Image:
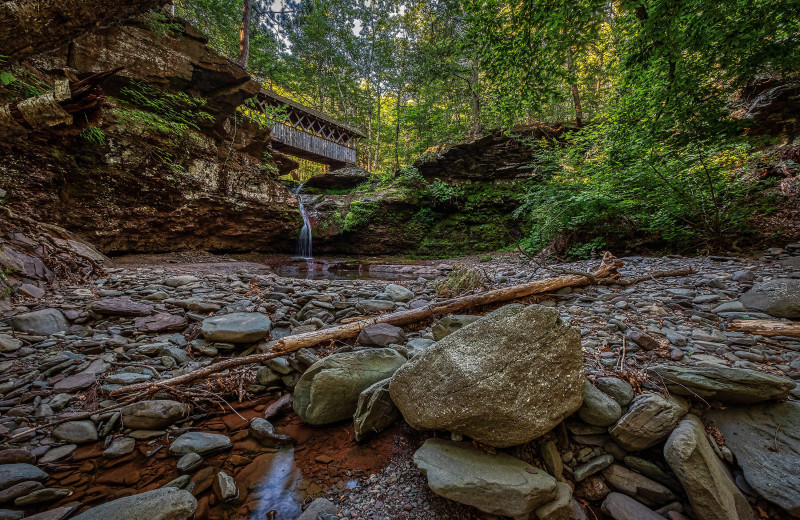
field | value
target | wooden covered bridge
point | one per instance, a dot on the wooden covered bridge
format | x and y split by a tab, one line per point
310	134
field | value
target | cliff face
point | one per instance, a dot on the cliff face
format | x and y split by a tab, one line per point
172	165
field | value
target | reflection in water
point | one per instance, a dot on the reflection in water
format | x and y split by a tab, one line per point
277	492
317	270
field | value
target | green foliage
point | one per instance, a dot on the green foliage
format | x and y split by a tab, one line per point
94	135
586	249
161	25
485	258
461	280
442	193
360	214
160	112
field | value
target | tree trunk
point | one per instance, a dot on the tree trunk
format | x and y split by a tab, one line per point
767	327
244	33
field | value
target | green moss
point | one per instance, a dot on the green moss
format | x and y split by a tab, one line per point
360	214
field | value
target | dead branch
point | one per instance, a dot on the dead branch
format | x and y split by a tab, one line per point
767	327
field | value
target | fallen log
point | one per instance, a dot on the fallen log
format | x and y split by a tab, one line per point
767	327
608	269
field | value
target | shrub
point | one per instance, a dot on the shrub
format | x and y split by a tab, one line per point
460	280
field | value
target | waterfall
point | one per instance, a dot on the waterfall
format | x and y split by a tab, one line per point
304	240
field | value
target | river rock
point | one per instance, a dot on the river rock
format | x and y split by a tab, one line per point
498	484
121	306
179	280
9	344
728	385
766	442
200	443
120	447
317	508
265	433
161	322
622	507
237	327
12	474
450	324
76	432
374	306
649	420
375	410
75	383
638	486
560	508
398	293
41	323
618	389
381	335
328	391
712	493
779	298
504	380
159	504
153	415
19	490
598	409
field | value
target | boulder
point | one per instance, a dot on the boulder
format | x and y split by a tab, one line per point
237	327
76	432
450	324
398	293
704	478
200	443
375	410
41	323
650	419
381	335
328	391
504	380
598	409
159	504
153	415
719	383
766	442
121	306
497	484
779	298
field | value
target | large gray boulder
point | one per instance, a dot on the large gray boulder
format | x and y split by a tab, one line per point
779	298
712	493
375	410
328	391
237	327
496	484
766	442
649	420
159	504
41	323
728	385
504	380
153	415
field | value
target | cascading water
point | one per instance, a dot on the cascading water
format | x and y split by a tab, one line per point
304	240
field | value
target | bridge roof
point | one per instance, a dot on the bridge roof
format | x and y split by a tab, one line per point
310	111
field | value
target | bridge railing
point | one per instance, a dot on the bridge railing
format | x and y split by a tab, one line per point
315	145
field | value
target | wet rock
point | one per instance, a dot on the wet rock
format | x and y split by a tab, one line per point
12	474
618	389
19	490
779	298
16	456
766	442
237	327
120	447
450	324
264	432
398	293
375	410
319	507
159	504
728	385
41	323
504	380
199	442
381	335
622	507
598	409
189	462
161	322
225	487
649	420
497	484
76	432
328	391
641	488
712	493
153	415
41	496
121	306
57	453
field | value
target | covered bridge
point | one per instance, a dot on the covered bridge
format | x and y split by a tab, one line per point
310	134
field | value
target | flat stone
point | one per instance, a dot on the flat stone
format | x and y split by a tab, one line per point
127	378
765	440
649	420
381	335
496	484
704	478
9	344
121	306
450	324
225	487
153	415
728	385
779	298
11	474
504	380
375	410
75	383
591	467
57	453
161	322
159	504
58	513
598	409
19	490
622	507
41	323
76	432
374	306
180	280
638	486
237	327
189	462
199	442
41	496
328	391
120	447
